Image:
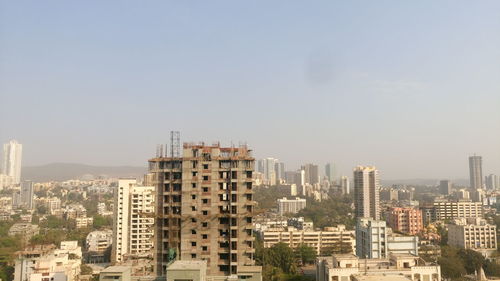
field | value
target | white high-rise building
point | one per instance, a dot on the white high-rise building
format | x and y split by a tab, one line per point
12	155
291	206
366	192
476	172
345	187
133	224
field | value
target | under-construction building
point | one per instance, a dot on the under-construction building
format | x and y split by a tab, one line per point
205	209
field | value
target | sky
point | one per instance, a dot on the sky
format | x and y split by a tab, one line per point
412	87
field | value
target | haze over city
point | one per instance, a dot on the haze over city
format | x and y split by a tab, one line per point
410	87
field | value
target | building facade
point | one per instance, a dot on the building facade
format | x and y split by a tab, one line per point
449	209
291	206
366	192
205	209
133	224
476	172
327	241
472	233
374	240
12	156
406	220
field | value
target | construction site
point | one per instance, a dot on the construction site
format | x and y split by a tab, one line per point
205	208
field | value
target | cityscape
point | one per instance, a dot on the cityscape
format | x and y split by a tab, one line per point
214	212
227	140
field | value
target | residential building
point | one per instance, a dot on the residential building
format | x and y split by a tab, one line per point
402	267
450	209
374	240
406	220
291	206
116	273
213	186
53	205
345	187
193	270
27	194
84	222
37	263
12	156
366	192
476	172
6	181
133	224
492	182
389	194
330	171
99	240
445	187
24	229
327	241
473	233
311	174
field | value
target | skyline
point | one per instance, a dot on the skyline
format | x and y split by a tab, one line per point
410	88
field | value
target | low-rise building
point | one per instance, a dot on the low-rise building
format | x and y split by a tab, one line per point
42	263
84	222
291	206
406	220
25	230
99	240
327	241
473	233
374	240
394	268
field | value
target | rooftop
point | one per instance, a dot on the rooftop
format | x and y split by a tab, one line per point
187	265
116	268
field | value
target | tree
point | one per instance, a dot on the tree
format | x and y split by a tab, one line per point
100	222
451	267
86	270
472	260
282	257
305	254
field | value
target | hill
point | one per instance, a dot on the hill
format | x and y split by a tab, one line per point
67	171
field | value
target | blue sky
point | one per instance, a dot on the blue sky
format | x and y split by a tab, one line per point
411	87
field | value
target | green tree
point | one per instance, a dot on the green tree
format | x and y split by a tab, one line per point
472	260
101	222
282	257
85	270
305	254
451	267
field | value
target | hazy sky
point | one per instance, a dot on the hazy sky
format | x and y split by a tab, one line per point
412	87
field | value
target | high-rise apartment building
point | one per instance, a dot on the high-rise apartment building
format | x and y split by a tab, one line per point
133	224
205	209
311	174
330	171
406	220
492	182
27	194
345	185
366	192
12	155
476	172
445	187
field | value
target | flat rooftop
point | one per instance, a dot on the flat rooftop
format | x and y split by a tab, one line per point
187	265
116	268
380	278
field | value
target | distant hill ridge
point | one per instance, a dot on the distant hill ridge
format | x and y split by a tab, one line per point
67	171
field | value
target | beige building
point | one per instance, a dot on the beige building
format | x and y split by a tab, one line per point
24	230
446	209
133	224
84	222
394	268
116	273
213	186
473	233
327	241
366	192
290	206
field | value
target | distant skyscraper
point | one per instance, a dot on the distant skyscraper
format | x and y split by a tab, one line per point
27	194
311	173
12	155
445	187
492	182
270	170
366	192
330	171
476	172
345	185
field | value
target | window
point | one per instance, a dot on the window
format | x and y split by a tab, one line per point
205	178
193	244
205	166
